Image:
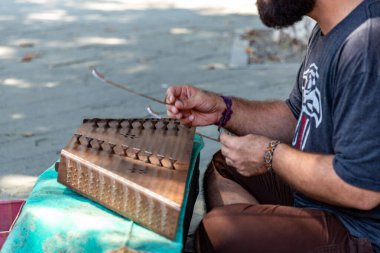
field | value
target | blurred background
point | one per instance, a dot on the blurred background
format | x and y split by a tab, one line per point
47	47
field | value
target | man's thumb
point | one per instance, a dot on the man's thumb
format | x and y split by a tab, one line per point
185	104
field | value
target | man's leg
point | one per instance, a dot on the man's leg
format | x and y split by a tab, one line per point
270	228
239	224
221	191
223	186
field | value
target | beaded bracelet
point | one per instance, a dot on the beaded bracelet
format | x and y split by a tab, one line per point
226	115
268	156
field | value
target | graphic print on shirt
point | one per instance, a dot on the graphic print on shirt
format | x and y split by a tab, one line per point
311	107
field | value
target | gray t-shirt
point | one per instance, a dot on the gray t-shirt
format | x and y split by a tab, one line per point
337	103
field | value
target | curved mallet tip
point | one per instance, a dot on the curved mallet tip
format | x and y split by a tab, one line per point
153	113
97	74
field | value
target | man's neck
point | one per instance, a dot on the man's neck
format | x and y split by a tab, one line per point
328	13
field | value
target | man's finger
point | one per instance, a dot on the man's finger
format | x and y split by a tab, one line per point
178	116
172	93
170	114
172	109
186	103
228	140
229	162
225	151
188	120
181	105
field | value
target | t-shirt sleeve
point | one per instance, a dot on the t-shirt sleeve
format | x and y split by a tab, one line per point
295	98
356	133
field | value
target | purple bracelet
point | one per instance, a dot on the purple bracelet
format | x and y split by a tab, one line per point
226	115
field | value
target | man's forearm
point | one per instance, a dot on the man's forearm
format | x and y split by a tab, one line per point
271	118
314	176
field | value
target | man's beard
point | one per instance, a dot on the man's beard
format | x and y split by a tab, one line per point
283	13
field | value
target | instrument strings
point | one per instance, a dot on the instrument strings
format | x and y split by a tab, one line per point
102	78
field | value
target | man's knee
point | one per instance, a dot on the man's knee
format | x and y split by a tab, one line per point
210	236
220	232
220	188
219	164
216	168
215	180
210	190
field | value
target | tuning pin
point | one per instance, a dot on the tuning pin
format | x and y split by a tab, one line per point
95	122
112	148
88	139
126	124
166	123
99	145
77	138
156	160
144	156
107	123
125	148
177	124
93	143
132	152
172	161
172	126
101	123
118	123
154	121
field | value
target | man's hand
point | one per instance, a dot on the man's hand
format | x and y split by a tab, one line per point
193	106
245	154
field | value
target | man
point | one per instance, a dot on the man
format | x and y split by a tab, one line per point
301	175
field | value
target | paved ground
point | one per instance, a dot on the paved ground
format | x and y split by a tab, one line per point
146	44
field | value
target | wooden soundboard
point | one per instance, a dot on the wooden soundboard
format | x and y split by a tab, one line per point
135	167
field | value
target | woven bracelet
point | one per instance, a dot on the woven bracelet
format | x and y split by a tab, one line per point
226	115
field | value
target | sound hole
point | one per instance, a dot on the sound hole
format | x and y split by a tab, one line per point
129	135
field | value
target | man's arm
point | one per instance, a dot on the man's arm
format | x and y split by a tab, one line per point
311	174
273	119
196	107
314	176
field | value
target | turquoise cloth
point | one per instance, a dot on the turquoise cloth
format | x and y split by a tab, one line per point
56	219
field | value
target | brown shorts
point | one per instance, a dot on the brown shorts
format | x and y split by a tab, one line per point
274	225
